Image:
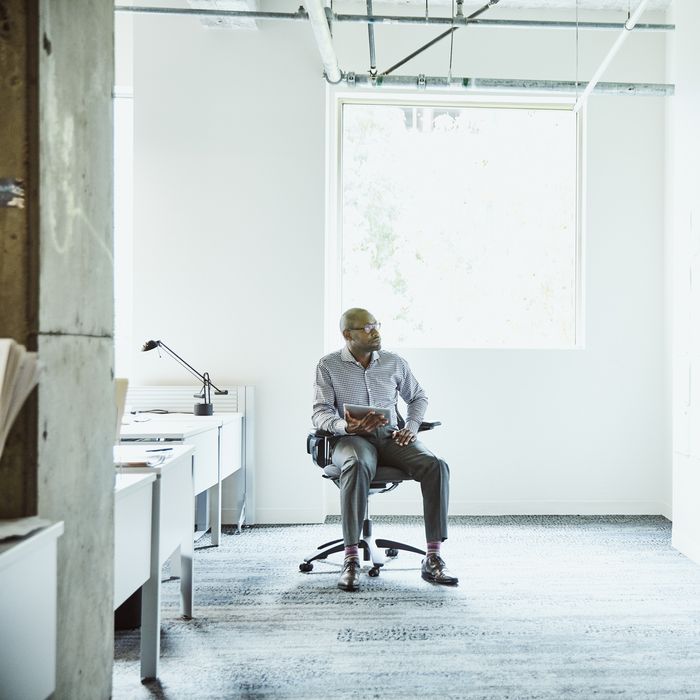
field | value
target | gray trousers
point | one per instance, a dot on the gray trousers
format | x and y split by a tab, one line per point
358	457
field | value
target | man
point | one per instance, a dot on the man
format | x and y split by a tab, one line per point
362	374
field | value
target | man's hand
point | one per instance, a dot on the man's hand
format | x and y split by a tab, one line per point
367	424
403	437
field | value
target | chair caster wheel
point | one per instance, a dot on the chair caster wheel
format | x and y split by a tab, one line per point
392	552
305	567
374	571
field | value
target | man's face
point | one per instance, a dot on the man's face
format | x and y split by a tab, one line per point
363	336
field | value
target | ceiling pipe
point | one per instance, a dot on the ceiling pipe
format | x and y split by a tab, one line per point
510	23
370	33
629	26
506	85
301	15
322	32
199	12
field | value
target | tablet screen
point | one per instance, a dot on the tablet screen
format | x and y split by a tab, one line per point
357	411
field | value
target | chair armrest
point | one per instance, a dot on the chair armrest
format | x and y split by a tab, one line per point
318	445
321	433
320	442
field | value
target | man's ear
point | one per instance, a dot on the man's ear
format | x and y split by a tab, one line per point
346	334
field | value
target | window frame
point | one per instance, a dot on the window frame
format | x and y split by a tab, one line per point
337	98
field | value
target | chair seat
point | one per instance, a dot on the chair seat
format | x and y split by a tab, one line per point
384	474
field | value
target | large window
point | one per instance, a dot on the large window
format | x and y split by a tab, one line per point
458	224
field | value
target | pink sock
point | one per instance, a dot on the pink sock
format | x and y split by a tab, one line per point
352	551
434	547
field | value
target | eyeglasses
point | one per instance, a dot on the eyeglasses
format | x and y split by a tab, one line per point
367	328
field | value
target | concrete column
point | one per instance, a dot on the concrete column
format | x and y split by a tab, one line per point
56	275
76	315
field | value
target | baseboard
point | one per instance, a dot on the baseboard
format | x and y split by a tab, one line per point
414	507
686	545
288	516
666	510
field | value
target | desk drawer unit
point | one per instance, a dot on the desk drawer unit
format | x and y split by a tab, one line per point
133	501
206	459
230	446
175	501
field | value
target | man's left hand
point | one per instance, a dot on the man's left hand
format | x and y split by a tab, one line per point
403	437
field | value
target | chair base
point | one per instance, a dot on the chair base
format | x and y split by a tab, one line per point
374	549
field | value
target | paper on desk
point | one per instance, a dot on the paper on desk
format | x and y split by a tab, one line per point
145	462
19	527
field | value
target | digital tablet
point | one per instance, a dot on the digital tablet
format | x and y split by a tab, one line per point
361	411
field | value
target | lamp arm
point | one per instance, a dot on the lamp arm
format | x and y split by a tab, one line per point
175	356
204	378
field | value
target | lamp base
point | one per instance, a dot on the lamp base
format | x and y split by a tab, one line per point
204	409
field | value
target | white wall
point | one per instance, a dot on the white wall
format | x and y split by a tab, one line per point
229	175
685	217
229	223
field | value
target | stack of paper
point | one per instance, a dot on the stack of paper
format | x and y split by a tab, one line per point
19	374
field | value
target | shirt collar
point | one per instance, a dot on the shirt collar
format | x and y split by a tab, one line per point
347	356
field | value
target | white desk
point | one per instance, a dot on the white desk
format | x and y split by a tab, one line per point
172	527
28	614
218	449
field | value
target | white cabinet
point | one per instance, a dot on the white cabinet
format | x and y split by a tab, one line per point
28	615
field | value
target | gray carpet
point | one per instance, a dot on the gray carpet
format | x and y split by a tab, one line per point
547	607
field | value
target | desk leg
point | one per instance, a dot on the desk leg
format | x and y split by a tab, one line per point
186	556
150	598
215	512
175	566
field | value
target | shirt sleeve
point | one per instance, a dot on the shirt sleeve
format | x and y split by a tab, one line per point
325	416
416	399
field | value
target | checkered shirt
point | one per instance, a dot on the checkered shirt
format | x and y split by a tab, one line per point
341	379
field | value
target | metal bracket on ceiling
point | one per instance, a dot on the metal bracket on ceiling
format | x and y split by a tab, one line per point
350	78
421	82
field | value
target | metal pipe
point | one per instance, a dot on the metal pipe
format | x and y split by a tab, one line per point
193	11
507	85
322	32
510	23
395	19
451	30
370	32
629	26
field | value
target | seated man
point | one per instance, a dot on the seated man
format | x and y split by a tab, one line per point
362	374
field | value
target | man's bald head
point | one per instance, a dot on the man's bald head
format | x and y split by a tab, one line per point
361	343
355	318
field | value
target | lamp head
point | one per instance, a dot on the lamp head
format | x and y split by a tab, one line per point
150	345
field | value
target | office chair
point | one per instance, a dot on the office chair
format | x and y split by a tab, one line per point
319	445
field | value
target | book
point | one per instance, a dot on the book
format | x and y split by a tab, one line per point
19	374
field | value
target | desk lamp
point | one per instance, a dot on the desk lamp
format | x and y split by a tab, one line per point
206	407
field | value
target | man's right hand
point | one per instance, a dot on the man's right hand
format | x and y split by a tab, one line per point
365	425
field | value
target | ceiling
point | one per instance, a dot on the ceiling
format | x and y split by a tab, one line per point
612	5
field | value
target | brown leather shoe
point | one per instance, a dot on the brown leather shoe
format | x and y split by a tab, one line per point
350	578
435	570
